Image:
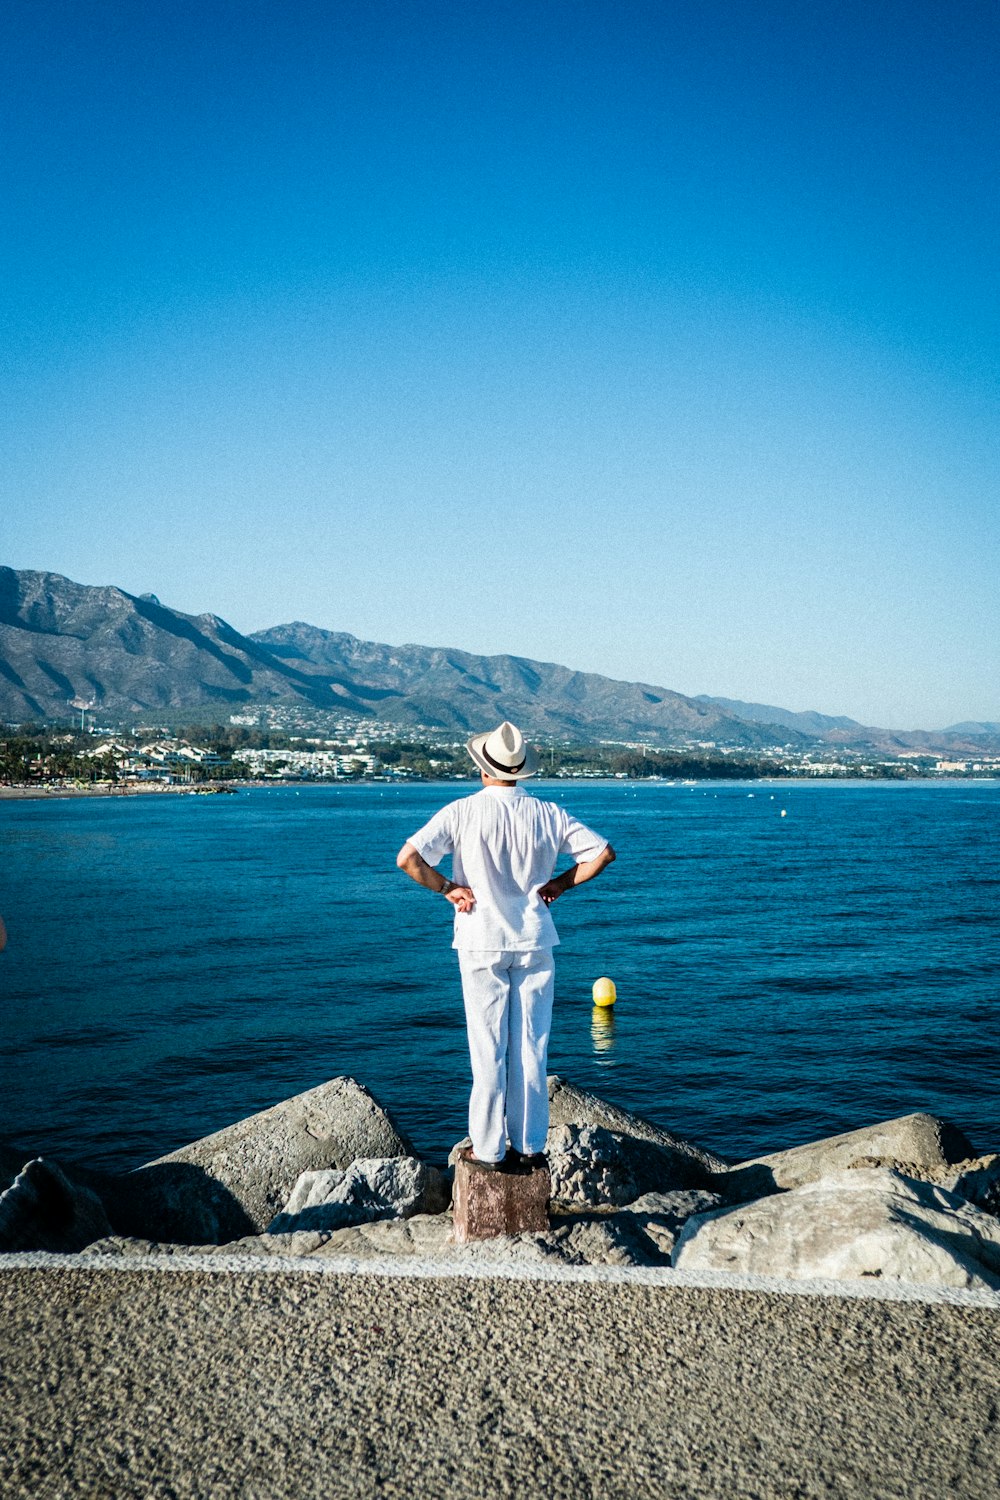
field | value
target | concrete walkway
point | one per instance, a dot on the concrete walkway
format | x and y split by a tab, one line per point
121	1380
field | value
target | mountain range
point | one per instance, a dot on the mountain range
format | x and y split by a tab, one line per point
64	643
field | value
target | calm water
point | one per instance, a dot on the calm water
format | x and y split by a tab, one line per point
175	963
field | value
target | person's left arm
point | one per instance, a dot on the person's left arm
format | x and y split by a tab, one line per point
579	874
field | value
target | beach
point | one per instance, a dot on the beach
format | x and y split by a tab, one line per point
321	1382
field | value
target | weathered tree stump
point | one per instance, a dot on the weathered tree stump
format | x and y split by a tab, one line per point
489	1203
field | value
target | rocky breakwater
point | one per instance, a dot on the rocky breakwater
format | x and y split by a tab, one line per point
329	1174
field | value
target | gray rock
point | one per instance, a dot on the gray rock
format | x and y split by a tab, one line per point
865	1222
592	1165
175	1202
678	1205
978	1181
231	1184
259	1245
425	1236
691	1166
568	1105
372	1188
263	1246
613	1239
672	1162
663	1238
921	1139
43	1210
125	1245
589	1164
663	1215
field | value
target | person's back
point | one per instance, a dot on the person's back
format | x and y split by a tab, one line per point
504	845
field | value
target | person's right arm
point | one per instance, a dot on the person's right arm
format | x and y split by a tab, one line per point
412	862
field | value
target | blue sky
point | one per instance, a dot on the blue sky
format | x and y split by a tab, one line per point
659	340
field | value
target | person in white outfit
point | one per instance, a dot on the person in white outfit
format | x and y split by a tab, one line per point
504	845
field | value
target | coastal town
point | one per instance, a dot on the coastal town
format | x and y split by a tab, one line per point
155	756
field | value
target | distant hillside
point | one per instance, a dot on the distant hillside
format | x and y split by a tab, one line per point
810	723
452	689
63	642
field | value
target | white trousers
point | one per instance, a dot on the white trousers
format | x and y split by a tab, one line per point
508	1013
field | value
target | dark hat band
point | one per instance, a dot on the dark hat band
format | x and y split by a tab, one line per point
496	764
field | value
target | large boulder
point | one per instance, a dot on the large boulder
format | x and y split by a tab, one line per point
591	1165
232	1183
691	1166
670	1162
43	1210
588	1164
921	1139
614	1239
372	1188
865	1222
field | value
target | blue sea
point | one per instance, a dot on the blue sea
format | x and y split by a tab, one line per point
792	960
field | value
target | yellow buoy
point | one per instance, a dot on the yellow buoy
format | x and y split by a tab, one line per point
605	992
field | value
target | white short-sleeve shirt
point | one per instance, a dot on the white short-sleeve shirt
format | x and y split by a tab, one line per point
504	844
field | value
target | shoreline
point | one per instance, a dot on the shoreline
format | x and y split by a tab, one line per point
104	792
45	793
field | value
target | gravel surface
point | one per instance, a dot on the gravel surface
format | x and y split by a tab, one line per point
141	1382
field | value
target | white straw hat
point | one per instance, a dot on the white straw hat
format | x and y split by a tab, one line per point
503	754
